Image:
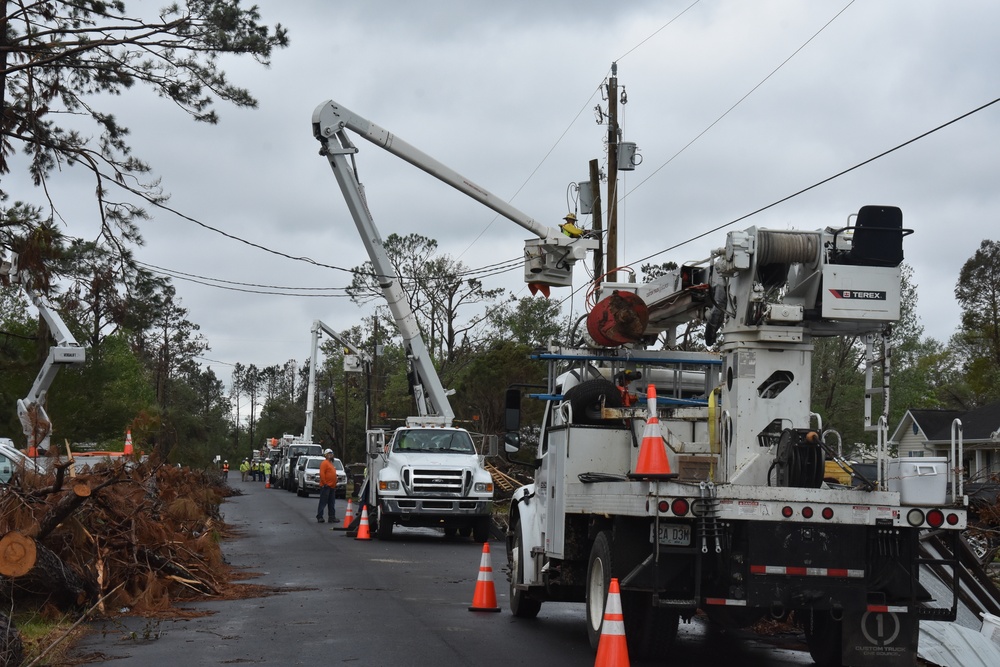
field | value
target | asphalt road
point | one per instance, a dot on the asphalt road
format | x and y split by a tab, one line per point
401	602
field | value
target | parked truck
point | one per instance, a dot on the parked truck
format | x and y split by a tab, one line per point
735	520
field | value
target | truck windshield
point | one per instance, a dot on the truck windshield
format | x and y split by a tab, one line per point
444	442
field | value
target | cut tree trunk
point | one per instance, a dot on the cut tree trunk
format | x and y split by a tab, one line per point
43	572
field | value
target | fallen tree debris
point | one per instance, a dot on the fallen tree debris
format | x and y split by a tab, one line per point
122	537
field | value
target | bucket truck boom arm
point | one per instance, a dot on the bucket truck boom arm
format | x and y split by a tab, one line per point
31	409
317	329
549	259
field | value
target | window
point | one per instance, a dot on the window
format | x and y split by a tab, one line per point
6	469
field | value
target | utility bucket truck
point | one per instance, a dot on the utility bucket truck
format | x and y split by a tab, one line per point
734	519
428	472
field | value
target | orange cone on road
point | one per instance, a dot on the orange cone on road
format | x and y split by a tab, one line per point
348	515
128	443
363	532
652	452
612	649
485	596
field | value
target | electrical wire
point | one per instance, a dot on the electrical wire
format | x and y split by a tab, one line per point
822	182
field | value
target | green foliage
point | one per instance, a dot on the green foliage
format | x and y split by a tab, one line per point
533	321
978	338
481	385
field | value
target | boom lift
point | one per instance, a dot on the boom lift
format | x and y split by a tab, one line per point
429	472
318	328
66	351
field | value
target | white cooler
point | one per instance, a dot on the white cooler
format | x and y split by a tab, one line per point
920	480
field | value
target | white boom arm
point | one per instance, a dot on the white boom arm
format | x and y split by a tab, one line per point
432	401
549	259
317	328
31	409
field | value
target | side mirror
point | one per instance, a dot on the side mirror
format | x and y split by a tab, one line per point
512	410
511	442
490	446
376	442
512	421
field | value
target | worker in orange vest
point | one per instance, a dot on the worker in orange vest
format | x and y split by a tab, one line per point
225	469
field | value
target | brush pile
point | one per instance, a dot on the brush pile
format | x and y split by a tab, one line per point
135	536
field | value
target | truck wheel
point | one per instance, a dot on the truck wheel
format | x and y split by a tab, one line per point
824	638
522	605
598	580
300	494
588	397
383	529
481	529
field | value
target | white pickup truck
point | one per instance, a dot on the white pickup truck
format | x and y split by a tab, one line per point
429	476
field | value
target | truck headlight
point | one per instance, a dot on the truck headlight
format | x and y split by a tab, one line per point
484	487
391	485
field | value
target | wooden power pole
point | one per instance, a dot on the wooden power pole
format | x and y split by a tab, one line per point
613	174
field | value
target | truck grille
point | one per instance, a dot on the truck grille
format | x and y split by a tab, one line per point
436	481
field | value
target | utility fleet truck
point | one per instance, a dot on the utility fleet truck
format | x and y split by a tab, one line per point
428	472
735	520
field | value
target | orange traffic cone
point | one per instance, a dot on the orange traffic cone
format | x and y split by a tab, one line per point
348	515
612	649
128	443
485	596
363	532
652	460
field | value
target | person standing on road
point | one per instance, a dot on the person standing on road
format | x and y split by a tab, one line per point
266	467
327	488
244	469
225	469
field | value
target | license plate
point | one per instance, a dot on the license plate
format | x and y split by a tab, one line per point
672	534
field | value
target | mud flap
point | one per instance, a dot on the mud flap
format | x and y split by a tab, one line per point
880	639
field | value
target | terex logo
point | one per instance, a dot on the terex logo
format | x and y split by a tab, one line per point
858	294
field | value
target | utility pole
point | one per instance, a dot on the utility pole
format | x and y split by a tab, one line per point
613	174
598	220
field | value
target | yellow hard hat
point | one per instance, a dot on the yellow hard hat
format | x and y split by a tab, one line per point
571	217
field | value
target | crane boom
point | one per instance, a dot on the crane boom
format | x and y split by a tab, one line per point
31	409
548	259
319	327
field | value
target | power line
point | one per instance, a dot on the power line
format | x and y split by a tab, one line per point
739	101
822	182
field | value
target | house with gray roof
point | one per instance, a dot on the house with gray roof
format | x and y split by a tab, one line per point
931	433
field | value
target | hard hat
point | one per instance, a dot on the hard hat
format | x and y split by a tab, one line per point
327	451
571	217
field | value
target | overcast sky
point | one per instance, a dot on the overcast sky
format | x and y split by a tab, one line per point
503	92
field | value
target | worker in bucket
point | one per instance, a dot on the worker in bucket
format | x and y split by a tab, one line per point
327	489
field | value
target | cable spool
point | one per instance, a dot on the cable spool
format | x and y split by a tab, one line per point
798	460
786	248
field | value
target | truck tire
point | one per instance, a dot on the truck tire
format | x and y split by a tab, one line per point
649	630
383	527
598	580
588	397
481	529
522	604
824	638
